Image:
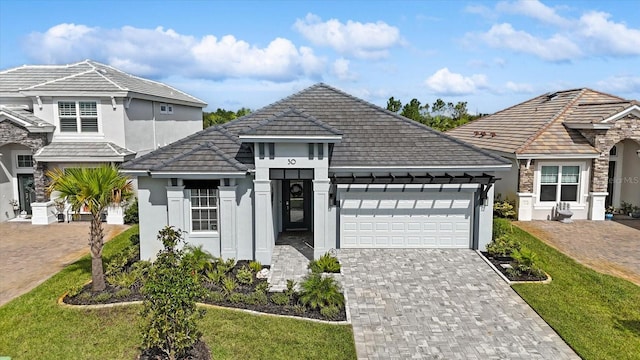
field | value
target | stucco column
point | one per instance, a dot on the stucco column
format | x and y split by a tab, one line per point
322	241
227	226
115	215
596	205
485	220
175	207
264	238
525	206
43	213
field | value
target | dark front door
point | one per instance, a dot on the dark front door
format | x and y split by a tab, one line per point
26	192
612	171
296	201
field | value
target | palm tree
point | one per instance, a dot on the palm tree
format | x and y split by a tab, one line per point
92	189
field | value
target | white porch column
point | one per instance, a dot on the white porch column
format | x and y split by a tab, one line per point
485	221
175	207
264	240
525	206
115	215
43	213
596	205
227	226
322	241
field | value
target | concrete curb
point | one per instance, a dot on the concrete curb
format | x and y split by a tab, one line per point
547	281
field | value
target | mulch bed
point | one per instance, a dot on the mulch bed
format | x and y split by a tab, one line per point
199	351
110	296
498	261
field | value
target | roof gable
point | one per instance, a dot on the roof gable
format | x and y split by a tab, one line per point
25	119
291	122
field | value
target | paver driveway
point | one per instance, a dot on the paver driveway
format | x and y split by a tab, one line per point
440	304
30	254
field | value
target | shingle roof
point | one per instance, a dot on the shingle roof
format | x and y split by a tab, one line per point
292	122
371	137
536	126
80	151
27	119
86	76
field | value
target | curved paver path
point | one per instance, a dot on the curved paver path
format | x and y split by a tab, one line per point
30	254
605	246
440	304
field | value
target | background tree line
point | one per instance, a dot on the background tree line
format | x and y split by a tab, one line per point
221	116
439	115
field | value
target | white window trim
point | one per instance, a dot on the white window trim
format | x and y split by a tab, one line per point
168	108
583	182
195	233
78	134
17	170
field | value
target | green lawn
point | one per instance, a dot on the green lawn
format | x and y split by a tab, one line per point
34	326
597	315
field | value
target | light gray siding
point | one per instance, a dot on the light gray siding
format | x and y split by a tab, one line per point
152	208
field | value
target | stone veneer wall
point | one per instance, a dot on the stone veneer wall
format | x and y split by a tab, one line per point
11	133
603	140
525	177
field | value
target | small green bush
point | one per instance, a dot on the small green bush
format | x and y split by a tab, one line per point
245	276
526	261
123	293
502	246
318	292
84	296
330	312
131	213
257	298
122	279
255	266
299	309
280	299
215	296
237	298
102	297
326	263
216	275
74	291
134	239
229	284
262	286
197	260
291	285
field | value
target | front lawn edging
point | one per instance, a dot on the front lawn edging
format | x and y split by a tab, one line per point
510	282
106	306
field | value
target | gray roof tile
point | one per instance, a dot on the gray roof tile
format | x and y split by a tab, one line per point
79	150
371	136
292	122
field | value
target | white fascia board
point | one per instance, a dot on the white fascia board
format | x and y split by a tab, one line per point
169	100
27	125
588	126
401	169
556	156
134	172
635	109
78	159
290	139
196	175
94	94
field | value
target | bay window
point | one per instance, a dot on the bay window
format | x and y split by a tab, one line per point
559	183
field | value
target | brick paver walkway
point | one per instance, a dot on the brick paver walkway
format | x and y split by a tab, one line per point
605	246
30	254
440	304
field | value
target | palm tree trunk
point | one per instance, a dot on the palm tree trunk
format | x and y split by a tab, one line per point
96	242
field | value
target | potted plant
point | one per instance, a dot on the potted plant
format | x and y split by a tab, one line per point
60	205
608	213
636	212
14	203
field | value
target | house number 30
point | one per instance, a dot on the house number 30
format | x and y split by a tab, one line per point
291	161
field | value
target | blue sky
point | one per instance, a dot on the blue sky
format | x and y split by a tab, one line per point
233	54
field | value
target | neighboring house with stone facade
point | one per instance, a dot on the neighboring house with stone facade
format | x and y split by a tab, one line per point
82	114
580	147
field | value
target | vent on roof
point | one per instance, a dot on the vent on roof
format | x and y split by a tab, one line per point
551	96
102	71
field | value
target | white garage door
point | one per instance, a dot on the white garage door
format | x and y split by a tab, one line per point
405	220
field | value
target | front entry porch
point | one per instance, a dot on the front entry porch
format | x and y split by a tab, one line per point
290	258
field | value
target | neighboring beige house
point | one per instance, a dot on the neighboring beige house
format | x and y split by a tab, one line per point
82	114
580	147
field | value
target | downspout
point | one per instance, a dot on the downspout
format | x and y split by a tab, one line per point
153	119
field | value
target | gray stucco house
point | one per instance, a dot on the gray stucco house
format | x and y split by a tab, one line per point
82	114
320	161
578	147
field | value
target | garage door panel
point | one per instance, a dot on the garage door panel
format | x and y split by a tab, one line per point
443	221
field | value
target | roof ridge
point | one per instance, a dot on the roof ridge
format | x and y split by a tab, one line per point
606	103
57	79
235	163
97	71
41	66
293	109
177	157
542	129
92	62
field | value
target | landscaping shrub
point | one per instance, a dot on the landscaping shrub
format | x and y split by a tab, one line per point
258	298
197	260
102	297
501	227
525	262
123	293
216	275
326	263
169	313
244	276
229	284
503	245
291	286
504	208
262	286
280	298
330	312
237	298
255	266
317	291
134	239
131	213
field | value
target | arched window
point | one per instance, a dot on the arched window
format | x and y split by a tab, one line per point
613	151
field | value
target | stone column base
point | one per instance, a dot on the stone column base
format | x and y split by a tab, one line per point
525	206
115	215
43	213
596	205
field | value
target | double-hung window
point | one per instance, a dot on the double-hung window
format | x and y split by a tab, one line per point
24	161
559	183
78	116
204	205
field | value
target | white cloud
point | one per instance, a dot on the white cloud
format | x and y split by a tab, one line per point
444	82
534	9
363	40
621	84
603	36
556	48
341	70
159	52
521	88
